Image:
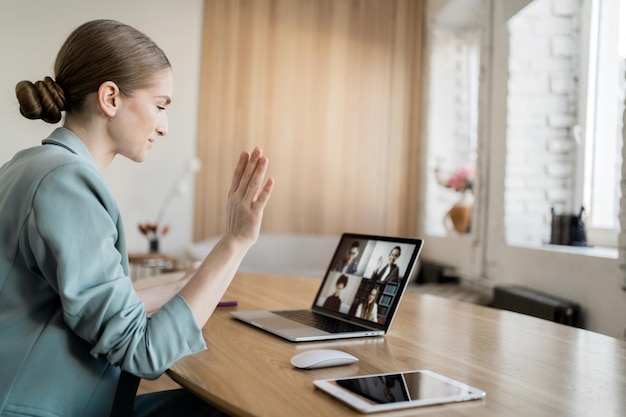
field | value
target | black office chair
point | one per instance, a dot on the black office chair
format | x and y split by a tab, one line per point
125	394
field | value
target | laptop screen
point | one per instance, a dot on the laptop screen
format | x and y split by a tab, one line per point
367	277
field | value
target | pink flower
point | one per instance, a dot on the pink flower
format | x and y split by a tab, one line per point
461	180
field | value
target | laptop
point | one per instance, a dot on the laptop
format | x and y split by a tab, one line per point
359	295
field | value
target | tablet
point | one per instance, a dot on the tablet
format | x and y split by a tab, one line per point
393	391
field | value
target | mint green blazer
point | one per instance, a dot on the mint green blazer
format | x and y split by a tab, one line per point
69	317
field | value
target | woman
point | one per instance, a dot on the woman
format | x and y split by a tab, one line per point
368	309
389	271
333	302
349	263
68	311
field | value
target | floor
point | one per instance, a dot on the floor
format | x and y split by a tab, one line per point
455	291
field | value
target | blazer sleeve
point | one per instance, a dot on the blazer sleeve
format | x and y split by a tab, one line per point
76	237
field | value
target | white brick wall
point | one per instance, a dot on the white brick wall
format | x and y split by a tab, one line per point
543	69
565	7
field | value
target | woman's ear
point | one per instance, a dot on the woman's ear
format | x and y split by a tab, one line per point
109	98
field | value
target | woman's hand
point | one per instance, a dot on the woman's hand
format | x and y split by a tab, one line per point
248	197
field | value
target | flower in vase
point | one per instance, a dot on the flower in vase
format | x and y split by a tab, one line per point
461	180
154	231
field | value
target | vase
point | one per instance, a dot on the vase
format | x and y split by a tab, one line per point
460	215
154	245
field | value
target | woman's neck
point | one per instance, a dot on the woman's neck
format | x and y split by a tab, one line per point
90	133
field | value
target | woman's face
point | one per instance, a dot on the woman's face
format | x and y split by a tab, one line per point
141	118
393	256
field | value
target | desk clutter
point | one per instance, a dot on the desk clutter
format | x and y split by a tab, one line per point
144	265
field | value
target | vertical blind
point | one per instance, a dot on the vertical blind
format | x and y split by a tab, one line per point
331	91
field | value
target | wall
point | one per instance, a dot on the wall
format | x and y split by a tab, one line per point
31	32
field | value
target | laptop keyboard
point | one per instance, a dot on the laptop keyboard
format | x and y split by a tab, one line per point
328	324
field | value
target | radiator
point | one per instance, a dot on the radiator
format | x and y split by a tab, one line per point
534	303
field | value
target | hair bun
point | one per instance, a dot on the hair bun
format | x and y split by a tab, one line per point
43	100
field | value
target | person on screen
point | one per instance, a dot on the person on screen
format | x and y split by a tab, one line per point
368	309
333	302
68	309
349	264
388	272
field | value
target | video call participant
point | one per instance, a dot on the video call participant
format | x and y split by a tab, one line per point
349	264
333	302
390	271
368	309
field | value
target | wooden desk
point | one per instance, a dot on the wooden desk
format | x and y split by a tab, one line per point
527	366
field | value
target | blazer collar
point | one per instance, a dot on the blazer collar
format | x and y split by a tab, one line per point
68	140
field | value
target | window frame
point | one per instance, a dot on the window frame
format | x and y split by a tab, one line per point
600	204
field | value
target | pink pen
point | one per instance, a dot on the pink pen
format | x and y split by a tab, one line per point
227	303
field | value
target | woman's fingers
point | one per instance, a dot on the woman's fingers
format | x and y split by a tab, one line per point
248	177
265	194
239	170
244	171
248	194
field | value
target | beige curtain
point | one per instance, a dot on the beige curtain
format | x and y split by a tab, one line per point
331	91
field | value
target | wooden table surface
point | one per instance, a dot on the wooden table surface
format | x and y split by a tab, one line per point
527	366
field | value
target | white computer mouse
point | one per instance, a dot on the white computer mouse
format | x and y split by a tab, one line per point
322	358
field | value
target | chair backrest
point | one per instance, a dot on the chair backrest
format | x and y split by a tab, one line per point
125	394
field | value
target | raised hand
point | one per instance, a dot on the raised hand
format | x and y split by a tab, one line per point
248	196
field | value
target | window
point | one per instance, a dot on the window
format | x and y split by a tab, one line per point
601	118
506	87
454	57
565	100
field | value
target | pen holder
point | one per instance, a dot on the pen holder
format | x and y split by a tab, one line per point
568	229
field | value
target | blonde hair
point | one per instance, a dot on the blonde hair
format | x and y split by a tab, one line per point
95	52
